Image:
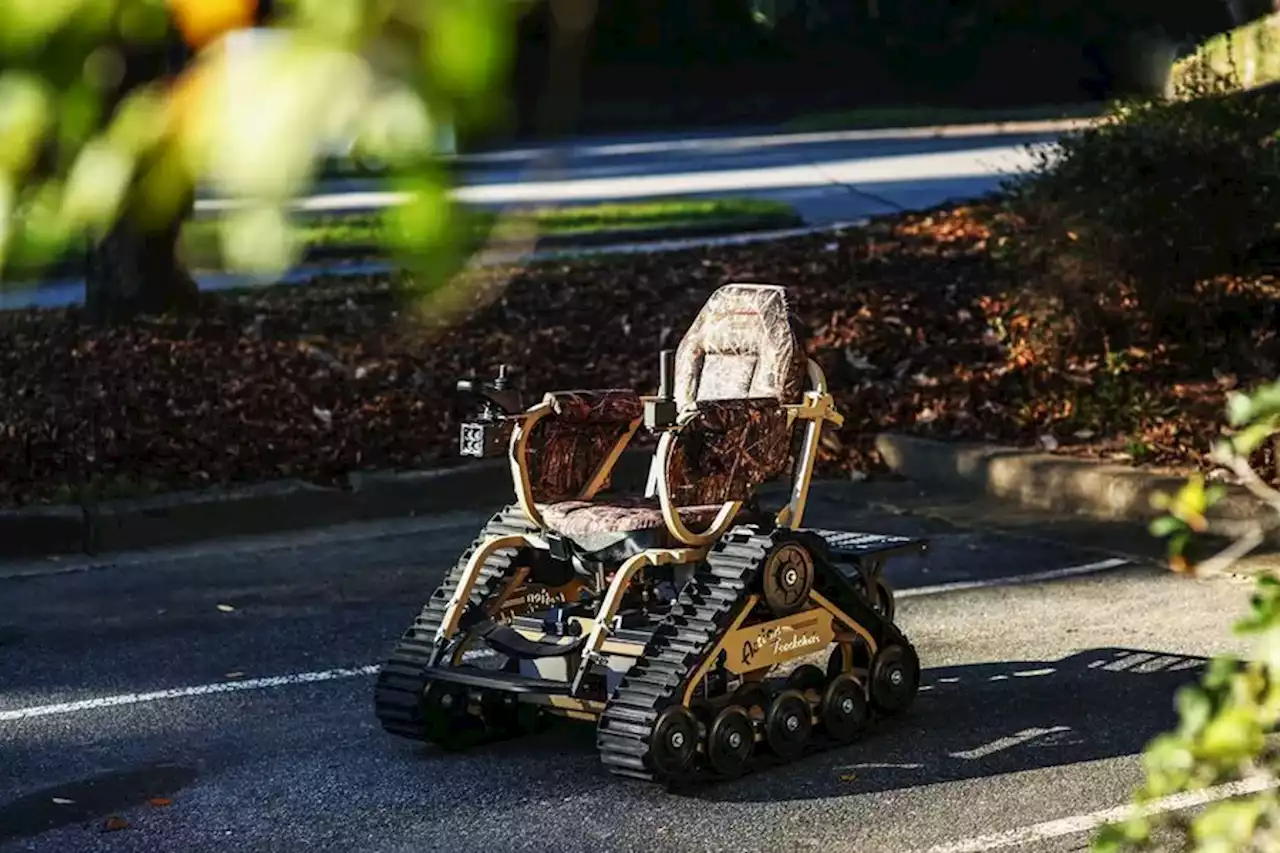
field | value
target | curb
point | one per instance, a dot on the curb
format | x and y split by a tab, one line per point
1044	481
182	518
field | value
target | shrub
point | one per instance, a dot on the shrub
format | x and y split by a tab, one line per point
1224	719
1135	212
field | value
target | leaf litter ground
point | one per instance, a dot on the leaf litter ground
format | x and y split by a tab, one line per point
909	318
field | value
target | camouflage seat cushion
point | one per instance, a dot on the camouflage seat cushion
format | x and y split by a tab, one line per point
617	515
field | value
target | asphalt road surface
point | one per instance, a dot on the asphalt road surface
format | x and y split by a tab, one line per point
828	178
234	681
835	176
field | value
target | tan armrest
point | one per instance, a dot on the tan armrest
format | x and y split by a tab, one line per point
615	407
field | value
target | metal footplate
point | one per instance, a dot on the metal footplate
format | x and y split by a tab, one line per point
851	545
506	682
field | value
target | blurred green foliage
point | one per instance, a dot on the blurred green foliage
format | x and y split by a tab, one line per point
251	119
1124	224
1225	718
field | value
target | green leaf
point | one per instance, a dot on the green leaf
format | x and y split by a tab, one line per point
26	110
423	221
1166	525
1168	761
25	25
1194	709
465	45
1251	437
1243	408
1232	736
1227	826
1112	838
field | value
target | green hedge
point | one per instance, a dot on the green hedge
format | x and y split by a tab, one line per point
1244	58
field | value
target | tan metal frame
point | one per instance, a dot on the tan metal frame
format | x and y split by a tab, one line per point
518	459
622	581
818	409
670	512
471	573
819	602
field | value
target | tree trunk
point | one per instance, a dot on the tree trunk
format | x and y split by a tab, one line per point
134	270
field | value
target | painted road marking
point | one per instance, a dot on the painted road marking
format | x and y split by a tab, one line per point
1042	832
205	690
17	714
984	162
1035	577
1009	742
180	692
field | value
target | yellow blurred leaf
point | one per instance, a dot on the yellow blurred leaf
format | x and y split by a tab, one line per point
96	185
464	47
259	240
26	111
203	21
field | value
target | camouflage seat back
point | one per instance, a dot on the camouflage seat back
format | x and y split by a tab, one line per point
742	344
741	347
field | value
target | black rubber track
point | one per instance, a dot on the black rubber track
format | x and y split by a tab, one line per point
401	681
702	613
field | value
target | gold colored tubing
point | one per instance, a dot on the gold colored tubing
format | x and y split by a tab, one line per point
606	467
517	454
671	514
471	573
701	671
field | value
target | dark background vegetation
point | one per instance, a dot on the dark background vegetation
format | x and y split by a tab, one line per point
651	64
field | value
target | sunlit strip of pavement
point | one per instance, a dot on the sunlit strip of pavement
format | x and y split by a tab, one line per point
851	173
751	141
1042	833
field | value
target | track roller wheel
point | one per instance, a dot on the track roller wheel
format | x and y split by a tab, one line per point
444	712
506	716
882	599
894	678
787	578
754	699
844	709
788	725
860	658
674	742
730	741
807	678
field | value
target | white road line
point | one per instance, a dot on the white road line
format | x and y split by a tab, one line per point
943	165
180	692
1036	577
206	689
1041	832
1001	744
17	714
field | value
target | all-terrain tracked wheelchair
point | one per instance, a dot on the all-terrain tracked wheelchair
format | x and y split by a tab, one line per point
666	618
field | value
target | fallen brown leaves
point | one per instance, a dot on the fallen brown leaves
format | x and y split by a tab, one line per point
910	318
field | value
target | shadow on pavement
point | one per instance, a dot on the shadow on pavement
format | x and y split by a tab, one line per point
991	719
89	799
